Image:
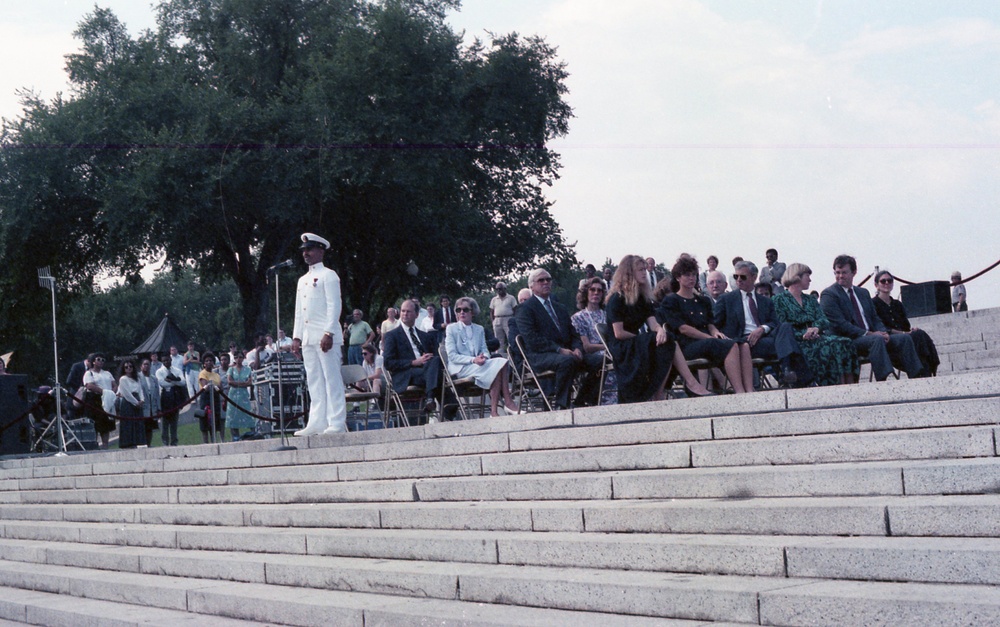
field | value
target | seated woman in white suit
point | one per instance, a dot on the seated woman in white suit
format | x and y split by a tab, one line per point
468	357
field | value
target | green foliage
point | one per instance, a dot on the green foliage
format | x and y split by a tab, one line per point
238	124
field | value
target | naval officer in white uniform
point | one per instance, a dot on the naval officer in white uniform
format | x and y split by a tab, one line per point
318	333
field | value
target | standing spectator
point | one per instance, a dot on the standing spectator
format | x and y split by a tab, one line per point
589	272
74	382
222	369
151	397
428	323
238	378
283	344
391	320
260	354
444	316
958	292
773	271
713	264
501	311
173	394
129	406
359	333
318	336
652	273
154	363
211	400
192	361
608	276
97	381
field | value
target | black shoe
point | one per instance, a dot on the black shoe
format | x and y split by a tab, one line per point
690	394
430	406
788	377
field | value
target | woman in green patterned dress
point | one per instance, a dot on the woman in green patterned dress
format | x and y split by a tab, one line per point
239	391
831	358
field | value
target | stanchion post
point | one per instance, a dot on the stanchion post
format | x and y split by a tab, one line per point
45	279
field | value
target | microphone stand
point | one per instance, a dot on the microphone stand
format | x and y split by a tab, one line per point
285	446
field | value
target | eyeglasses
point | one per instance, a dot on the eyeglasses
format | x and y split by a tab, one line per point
463	310
740	277
544	279
885	281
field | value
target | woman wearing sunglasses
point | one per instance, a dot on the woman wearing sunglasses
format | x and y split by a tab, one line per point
893	315
128	406
465	342
97	380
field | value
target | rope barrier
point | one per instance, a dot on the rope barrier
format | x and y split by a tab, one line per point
258	416
153	417
953	284
13	422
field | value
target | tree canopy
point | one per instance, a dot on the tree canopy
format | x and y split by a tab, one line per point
217	138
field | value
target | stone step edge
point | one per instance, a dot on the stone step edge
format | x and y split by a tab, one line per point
497	426
718	554
37	607
14	485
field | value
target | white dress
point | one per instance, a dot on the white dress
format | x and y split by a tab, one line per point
464	343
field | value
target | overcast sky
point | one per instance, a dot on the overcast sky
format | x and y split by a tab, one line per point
727	127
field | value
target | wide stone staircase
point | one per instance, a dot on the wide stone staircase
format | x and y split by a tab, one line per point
850	505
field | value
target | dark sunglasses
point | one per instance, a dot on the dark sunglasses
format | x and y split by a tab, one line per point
740	277
463	309
546	279
885	281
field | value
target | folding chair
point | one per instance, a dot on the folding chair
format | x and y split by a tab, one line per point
607	365
461	388
395	408
352	374
760	366
530	377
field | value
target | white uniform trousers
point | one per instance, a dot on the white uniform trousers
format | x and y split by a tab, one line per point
327	406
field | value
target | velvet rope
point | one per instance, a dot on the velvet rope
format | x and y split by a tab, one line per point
153	417
258	416
953	284
13	422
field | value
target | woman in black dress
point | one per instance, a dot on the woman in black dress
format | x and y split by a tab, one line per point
893	315
643	360
689	315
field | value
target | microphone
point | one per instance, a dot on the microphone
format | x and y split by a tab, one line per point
284	264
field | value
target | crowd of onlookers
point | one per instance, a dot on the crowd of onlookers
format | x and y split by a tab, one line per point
710	333
146	394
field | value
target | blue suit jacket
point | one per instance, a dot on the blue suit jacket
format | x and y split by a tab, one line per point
837	306
730	319
398	354
461	352
540	333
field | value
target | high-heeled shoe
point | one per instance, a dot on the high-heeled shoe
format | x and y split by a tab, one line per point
691	394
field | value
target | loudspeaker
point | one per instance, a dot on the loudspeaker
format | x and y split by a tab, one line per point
926	299
16	437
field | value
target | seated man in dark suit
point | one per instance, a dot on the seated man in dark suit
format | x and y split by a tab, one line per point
746	316
411	358
552	343
852	315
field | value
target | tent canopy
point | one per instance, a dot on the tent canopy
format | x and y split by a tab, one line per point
165	335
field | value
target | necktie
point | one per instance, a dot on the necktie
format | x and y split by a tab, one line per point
416	342
753	309
552	312
858	318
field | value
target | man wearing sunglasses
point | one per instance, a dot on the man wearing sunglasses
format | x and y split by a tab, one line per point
745	316
553	344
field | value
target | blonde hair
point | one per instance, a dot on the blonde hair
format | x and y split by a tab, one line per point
793	274
626	284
